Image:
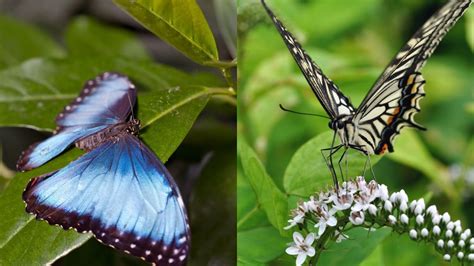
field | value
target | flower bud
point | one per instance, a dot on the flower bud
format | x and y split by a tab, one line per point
388	206
424	232
420	206
461	243
471	247
403	206
458	230
392	219
448	233
447	257
436	219
467	232
383	192
436	230
440	243
402	196
372	209
394	197
404	218
450	226
412	205
471	241
460	255
450	243
446	218
470	257
431	210
413	233
357	217
419	219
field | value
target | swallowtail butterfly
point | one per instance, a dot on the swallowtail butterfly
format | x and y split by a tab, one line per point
394	98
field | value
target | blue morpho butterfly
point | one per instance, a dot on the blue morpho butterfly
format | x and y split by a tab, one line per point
118	190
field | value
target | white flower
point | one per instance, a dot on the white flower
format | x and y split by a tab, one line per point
413	233
461	243
460	255
447	257
301	247
458	230
342	202
360	181
325	218
298	215
471	241
357	217
394	197
362	201
388	206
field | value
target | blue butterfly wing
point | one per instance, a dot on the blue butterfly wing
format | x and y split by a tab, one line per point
121	193
103	102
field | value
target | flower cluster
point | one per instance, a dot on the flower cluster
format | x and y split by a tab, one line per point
358	203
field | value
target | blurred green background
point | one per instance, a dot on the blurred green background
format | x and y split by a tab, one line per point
353	41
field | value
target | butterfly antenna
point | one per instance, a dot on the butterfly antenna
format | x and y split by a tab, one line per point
301	113
131	105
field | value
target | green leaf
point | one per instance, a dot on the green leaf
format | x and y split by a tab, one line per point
410	151
308	172
353	251
181	23
470	28
25	241
21	41
249	215
86	37
260	245
269	197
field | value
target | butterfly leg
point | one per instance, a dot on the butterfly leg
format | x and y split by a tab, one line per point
329	162
339	163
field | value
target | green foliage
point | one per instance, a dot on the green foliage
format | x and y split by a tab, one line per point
21	42
178	22
38	78
269	197
352	41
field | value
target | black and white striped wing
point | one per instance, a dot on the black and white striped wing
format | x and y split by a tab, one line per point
394	99
331	98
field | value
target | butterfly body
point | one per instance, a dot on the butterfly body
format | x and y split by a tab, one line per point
118	190
91	142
